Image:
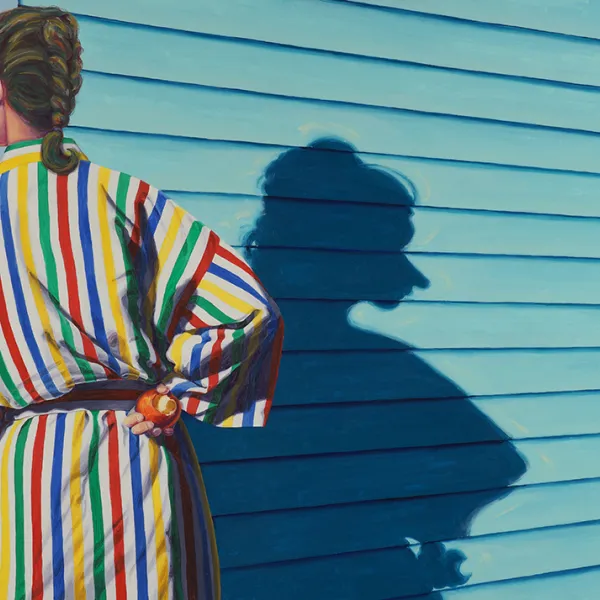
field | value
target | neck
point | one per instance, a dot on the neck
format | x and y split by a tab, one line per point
17	130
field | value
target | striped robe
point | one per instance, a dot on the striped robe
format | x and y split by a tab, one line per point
102	278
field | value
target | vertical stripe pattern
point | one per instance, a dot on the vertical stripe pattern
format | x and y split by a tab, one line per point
102	276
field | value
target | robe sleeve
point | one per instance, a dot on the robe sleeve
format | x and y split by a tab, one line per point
217	332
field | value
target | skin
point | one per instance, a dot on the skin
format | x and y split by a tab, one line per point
14	129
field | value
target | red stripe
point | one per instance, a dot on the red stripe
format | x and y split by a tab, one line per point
116	506
64	238
188	511
193	319
140	200
275	362
192	285
13	348
215	360
37	583
235	260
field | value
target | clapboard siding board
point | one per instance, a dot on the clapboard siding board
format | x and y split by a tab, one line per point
316	377
433	230
234	64
341	275
417	38
248	486
294	431
324	531
431	325
125	104
184	166
397	572
569	17
580	584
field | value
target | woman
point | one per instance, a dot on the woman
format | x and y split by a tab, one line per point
107	289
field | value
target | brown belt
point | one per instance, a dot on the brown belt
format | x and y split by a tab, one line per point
80	398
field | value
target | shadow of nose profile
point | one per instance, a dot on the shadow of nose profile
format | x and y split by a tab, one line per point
389	461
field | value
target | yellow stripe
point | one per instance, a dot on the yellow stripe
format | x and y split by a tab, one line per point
162	560
36	290
226	297
111	277
18	161
163	256
76	514
26	159
208	521
7	517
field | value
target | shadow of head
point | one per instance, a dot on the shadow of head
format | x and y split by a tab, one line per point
325	196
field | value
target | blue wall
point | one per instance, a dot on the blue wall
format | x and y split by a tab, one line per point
421	189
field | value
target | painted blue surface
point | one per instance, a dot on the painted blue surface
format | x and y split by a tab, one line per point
570	17
420	194
316	24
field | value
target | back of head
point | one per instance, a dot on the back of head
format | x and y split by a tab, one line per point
40	69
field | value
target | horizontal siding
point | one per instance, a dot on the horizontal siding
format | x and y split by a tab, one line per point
292	535
395	423
314	377
431	230
417	38
382	573
236	116
296	534
236	64
569	17
184	166
432	325
361	427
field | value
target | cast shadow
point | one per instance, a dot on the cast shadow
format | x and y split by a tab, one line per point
331	170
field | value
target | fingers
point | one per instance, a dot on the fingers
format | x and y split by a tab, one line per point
132	419
161	388
138	425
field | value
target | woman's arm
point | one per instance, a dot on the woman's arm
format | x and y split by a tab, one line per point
217	330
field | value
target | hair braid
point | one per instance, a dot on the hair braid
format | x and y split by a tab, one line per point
40	56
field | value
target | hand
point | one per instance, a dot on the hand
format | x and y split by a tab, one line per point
138	424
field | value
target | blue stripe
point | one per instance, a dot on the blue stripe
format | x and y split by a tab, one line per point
182	387
138	517
235	280
12	264
195	366
154	218
58	559
88	253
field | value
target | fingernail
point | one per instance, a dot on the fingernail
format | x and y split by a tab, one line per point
156	432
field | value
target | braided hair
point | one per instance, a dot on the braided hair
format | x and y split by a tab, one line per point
40	67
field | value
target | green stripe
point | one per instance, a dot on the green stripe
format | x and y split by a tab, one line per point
37	142
52	273
180	264
20	584
10	384
176	561
96	505
212	310
132	287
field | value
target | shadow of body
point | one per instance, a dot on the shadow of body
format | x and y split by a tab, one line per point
295	186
